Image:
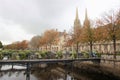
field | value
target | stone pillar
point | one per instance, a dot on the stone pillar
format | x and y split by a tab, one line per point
28	72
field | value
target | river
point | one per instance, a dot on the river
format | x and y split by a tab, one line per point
19	73
60	71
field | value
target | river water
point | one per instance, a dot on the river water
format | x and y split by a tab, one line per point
52	71
19	73
58	72
80	71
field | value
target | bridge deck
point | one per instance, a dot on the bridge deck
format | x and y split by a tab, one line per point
47	60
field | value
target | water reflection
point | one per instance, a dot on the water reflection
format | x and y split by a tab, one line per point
60	72
49	72
19	75
37	73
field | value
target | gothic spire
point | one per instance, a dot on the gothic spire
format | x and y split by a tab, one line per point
77	23
86	21
86	16
77	13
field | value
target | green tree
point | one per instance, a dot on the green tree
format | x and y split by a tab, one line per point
1	46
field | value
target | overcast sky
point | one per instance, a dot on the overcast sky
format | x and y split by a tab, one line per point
22	19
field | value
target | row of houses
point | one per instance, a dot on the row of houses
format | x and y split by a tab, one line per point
104	47
62	38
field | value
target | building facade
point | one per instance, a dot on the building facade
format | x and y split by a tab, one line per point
60	44
104	47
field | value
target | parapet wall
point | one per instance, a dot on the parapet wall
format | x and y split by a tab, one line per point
108	60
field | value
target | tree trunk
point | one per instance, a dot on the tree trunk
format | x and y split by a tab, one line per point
50	47
91	50
77	48
46	47
114	46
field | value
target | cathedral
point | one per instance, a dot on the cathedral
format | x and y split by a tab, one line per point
77	23
106	47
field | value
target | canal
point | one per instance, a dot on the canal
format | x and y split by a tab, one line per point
7	72
59	72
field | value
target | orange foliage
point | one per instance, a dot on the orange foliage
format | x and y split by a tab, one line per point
50	37
18	45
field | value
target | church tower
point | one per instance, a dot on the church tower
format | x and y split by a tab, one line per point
86	22
77	23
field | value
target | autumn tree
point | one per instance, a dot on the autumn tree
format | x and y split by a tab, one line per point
24	44
35	42
76	38
11	46
50	37
118	24
112	27
69	42
42	41
76	33
88	36
88	33
17	45
100	32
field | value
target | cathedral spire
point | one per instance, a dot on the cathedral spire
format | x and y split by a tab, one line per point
86	21
86	16
77	23
77	13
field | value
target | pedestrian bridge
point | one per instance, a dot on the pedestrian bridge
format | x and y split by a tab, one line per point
40	61
28	63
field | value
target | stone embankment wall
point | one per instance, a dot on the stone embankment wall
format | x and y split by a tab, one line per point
108	60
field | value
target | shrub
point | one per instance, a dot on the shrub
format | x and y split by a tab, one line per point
44	54
85	54
73	54
59	54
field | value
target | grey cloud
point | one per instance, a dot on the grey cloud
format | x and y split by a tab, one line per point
34	15
21	12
